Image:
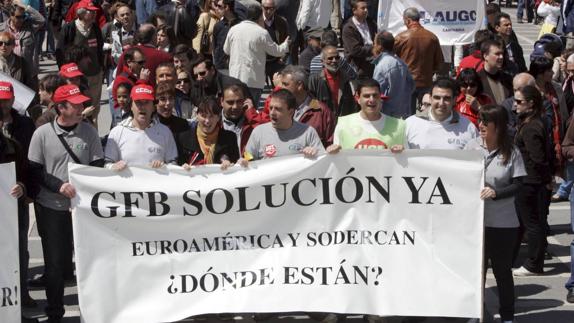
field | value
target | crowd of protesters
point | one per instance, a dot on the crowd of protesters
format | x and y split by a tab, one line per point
185	82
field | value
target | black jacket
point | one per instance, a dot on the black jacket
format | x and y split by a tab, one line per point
220	30
359	53
319	88
21	130
67	35
189	150
531	139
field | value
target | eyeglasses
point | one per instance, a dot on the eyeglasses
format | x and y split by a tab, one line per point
6	43
183	81
333	58
202	74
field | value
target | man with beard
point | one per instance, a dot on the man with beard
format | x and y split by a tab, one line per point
309	110
234	104
331	86
23	23
206	80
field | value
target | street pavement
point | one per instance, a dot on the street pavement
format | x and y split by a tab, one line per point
539	298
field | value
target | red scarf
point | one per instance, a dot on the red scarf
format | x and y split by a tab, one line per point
552	97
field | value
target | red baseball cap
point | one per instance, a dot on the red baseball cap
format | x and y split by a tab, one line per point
70	93
70	70
142	92
87	4
6	91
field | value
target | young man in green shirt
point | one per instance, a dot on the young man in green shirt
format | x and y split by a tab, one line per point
369	128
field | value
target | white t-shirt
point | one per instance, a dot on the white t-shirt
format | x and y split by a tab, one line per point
453	133
140	147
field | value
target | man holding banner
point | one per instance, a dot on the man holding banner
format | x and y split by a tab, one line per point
282	135
441	127
18	131
67	140
15	138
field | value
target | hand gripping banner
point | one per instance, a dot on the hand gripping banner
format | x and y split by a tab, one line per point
358	232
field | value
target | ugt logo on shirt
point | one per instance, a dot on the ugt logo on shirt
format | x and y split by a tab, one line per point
270	150
371	143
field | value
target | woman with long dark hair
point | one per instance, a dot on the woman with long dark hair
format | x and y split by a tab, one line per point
504	169
533	142
471	96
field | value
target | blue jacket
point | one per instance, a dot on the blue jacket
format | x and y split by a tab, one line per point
396	82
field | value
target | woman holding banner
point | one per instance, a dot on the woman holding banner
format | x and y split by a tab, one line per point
206	142
504	169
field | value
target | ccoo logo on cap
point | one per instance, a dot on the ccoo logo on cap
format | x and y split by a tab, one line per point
6	91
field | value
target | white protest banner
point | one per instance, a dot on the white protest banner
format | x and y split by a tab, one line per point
9	262
23	95
454	22
358	232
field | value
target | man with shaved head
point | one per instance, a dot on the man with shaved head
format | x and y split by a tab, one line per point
144	38
519	81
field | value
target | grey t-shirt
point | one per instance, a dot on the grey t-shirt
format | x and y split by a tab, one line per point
267	142
499	213
47	149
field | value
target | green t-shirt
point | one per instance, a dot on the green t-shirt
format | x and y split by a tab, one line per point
354	132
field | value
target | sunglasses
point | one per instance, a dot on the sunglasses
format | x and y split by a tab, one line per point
6	43
518	101
202	74
333	58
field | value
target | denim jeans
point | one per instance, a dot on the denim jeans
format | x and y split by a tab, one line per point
55	228
528	5
566	186
570	282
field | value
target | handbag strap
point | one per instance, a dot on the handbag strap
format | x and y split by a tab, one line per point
66	146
